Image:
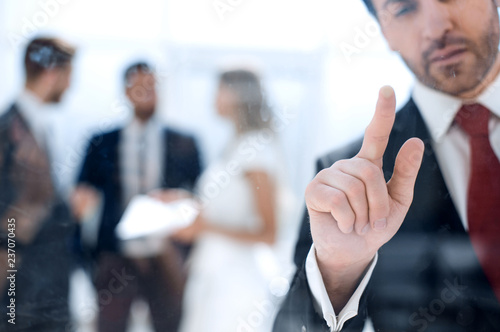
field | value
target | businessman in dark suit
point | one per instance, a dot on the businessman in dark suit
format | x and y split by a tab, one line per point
406	231
141	157
35	222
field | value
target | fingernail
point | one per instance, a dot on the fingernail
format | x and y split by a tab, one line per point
386	91
365	229
380	224
350	230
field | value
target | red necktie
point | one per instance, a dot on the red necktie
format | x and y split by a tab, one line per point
483	198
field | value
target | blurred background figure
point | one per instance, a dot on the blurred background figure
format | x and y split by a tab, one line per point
31	205
239	193
135	159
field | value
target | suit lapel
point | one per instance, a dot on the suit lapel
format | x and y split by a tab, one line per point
114	160
28	154
27	170
432	206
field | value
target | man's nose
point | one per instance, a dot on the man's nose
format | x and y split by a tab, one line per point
436	19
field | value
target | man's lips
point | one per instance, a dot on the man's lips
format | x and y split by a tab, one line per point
447	55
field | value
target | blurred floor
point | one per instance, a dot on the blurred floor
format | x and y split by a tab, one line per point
84	309
83	306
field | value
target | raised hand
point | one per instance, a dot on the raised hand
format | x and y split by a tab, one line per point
353	211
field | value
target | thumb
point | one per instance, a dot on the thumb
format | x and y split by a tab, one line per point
408	161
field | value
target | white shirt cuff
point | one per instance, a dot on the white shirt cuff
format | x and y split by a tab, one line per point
320	296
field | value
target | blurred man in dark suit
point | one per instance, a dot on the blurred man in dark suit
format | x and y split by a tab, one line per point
137	159
35	223
430	265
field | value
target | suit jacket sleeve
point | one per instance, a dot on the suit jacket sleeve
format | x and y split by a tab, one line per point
6	193
5	155
298	314
183	165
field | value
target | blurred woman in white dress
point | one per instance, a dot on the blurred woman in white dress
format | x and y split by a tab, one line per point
233	261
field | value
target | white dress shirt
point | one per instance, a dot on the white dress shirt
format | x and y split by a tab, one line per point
39	119
141	147
322	302
450	142
451	145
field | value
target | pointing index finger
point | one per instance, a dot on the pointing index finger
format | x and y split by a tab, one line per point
377	132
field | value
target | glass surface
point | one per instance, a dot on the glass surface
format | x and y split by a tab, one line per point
320	64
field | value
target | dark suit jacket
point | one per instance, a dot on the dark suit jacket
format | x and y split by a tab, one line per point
101	169
43	257
428	277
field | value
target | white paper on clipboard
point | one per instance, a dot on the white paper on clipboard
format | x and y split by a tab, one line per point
147	221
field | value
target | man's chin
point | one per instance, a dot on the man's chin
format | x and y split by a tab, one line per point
145	114
454	82
55	99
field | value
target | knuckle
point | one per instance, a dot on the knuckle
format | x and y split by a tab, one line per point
346	224
356	188
309	191
313	191
371	172
337	198
379	138
324	174
341	163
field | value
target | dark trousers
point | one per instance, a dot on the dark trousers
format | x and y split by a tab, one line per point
159	280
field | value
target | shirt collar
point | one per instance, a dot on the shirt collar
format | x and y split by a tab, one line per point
31	110
490	98
439	109
136	127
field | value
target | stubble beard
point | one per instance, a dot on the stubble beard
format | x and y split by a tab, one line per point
460	78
